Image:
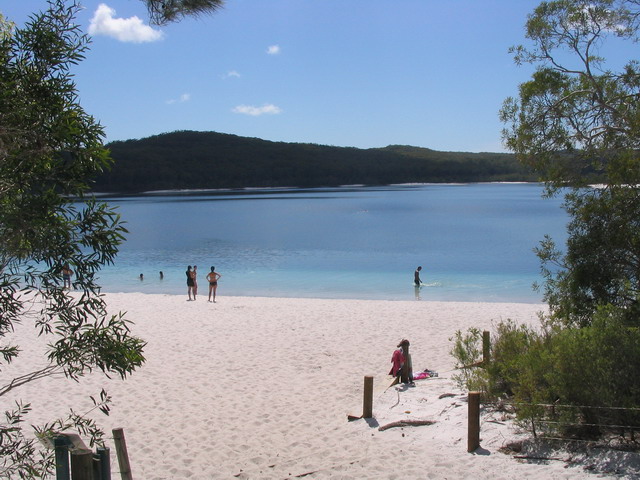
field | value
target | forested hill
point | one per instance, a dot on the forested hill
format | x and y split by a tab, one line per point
194	160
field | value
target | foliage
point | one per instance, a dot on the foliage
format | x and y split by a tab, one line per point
19	455
516	361
597	367
183	160
601	265
50	149
467	350
567	381
574	122
163	12
575	118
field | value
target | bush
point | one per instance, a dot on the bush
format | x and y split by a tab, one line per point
564	381
467	350
597	368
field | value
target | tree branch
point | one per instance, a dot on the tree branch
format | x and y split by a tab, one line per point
47	371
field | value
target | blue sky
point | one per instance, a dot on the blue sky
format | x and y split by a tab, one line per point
359	73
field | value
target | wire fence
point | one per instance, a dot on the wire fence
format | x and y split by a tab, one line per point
550	415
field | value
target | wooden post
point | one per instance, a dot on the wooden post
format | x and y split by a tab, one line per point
473	440
486	347
367	408
60	445
121	452
82	465
104	454
405	367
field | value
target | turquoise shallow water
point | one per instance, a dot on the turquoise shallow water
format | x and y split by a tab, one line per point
475	242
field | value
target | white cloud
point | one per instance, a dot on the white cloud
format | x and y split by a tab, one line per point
130	29
232	73
185	97
268	109
273	50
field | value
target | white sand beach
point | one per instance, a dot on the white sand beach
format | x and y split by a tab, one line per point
260	388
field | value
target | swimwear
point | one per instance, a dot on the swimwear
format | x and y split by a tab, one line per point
213	284
189	280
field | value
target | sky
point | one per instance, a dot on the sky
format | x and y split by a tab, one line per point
351	73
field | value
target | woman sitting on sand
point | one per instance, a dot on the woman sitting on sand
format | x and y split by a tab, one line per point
213	277
399	358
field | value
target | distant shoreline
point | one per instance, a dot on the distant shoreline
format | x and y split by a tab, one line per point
290	189
203	294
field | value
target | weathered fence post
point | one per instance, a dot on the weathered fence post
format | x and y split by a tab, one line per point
367	408
121	452
405	367
486	347
105	462
82	465
61	446
473	439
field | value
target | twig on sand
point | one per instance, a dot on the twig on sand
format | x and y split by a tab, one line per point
305	474
395	404
446	395
406	423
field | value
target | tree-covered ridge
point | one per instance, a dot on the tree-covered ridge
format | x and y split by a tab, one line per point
191	160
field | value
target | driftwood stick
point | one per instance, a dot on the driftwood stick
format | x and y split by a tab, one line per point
406	423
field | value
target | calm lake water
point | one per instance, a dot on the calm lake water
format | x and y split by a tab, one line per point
474	241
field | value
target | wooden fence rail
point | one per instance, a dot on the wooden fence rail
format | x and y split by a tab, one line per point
73	463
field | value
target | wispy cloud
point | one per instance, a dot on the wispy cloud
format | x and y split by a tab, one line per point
185	97
232	74
273	50
130	29
266	109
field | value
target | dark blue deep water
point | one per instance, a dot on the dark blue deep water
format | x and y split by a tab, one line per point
474	241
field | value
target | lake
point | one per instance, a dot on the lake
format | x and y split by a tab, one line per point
474	241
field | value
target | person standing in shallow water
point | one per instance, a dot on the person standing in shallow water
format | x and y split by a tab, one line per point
213	277
189	273
416	277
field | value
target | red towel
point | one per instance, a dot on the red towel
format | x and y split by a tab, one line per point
397	359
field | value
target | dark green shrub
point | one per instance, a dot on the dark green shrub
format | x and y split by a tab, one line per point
597	372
